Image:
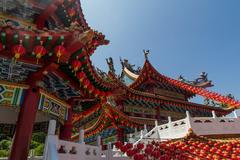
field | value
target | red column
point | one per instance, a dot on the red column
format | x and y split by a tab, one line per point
158	112
66	129
25	124
120	134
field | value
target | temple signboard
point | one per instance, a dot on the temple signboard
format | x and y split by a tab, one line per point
52	105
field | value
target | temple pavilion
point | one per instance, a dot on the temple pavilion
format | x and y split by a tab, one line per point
46	73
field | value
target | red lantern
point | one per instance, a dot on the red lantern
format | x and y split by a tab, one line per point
139	156
156	154
149	146
129	145
91	89
59	51
140	146
76	65
96	92
148	150
81	76
39	51
71	12
130	153
86	83
124	149
18	50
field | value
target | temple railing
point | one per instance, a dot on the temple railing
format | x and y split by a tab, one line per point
56	149
200	125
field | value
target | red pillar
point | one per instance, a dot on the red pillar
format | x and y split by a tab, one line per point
66	129
25	124
158	113
120	134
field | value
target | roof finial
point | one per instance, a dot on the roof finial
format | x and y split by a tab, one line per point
146	52
110	64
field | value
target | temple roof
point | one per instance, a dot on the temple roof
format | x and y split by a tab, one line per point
149	81
149	76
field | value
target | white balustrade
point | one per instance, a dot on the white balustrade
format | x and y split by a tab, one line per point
200	125
56	149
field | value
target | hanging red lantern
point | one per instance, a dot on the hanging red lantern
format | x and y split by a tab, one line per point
148	150
75	65
130	153
18	51
71	12
59	51
96	92
39	51
139	156
81	76
124	149
129	145
140	146
91	89
86	83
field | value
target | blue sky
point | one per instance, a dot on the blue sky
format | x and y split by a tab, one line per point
184	36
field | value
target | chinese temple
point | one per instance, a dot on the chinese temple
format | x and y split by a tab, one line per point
46	73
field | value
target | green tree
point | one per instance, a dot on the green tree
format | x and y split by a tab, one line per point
39	150
39	137
4	153
5	144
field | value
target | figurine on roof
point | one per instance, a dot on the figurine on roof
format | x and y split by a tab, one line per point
202	81
146	53
203	78
230	96
129	66
110	64
181	78
101	73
